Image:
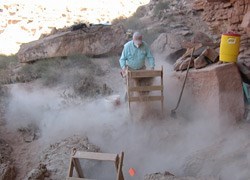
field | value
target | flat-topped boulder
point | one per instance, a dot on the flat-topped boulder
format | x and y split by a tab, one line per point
91	41
212	92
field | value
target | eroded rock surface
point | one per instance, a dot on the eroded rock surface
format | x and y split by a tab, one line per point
93	41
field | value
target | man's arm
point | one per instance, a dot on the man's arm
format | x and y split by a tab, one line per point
123	58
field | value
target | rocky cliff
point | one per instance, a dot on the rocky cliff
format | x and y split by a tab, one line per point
225	16
25	21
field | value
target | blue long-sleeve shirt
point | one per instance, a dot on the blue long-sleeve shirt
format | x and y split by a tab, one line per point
134	57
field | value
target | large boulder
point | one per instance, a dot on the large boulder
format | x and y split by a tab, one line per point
169	46
214	92
93	41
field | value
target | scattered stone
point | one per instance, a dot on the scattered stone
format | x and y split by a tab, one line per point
185	33
174	26
7	171
169	176
185	63
200	62
38	173
211	54
29	133
198	51
203	56
57	155
159	176
178	62
5	151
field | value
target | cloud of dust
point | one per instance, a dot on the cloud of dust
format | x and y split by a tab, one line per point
150	145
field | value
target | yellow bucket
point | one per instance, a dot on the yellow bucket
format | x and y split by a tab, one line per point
229	47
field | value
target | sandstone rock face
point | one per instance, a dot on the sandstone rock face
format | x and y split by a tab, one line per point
246	20
93	41
169	45
229	15
216	92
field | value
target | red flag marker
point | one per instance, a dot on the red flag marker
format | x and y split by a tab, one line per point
131	171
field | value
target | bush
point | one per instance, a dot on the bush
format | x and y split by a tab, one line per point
6	64
75	71
51	71
85	85
7	61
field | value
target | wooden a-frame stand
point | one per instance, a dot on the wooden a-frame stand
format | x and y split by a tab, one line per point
75	163
133	89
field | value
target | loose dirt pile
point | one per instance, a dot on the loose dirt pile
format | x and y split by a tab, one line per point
55	158
7	171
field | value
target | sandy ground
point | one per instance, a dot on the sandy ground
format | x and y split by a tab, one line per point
184	147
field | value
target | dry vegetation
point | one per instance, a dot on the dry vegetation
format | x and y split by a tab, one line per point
75	71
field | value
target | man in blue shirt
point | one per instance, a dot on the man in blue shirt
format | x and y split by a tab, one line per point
135	53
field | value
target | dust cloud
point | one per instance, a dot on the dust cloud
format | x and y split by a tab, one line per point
195	146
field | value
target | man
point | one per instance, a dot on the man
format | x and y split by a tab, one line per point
134	56
135	53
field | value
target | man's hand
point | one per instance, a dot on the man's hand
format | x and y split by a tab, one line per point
124	72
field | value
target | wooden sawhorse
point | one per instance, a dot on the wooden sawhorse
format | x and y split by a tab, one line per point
75	163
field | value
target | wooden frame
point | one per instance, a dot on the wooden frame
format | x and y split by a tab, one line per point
75	164
131	88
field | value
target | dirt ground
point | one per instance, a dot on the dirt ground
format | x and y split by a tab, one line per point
40	126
